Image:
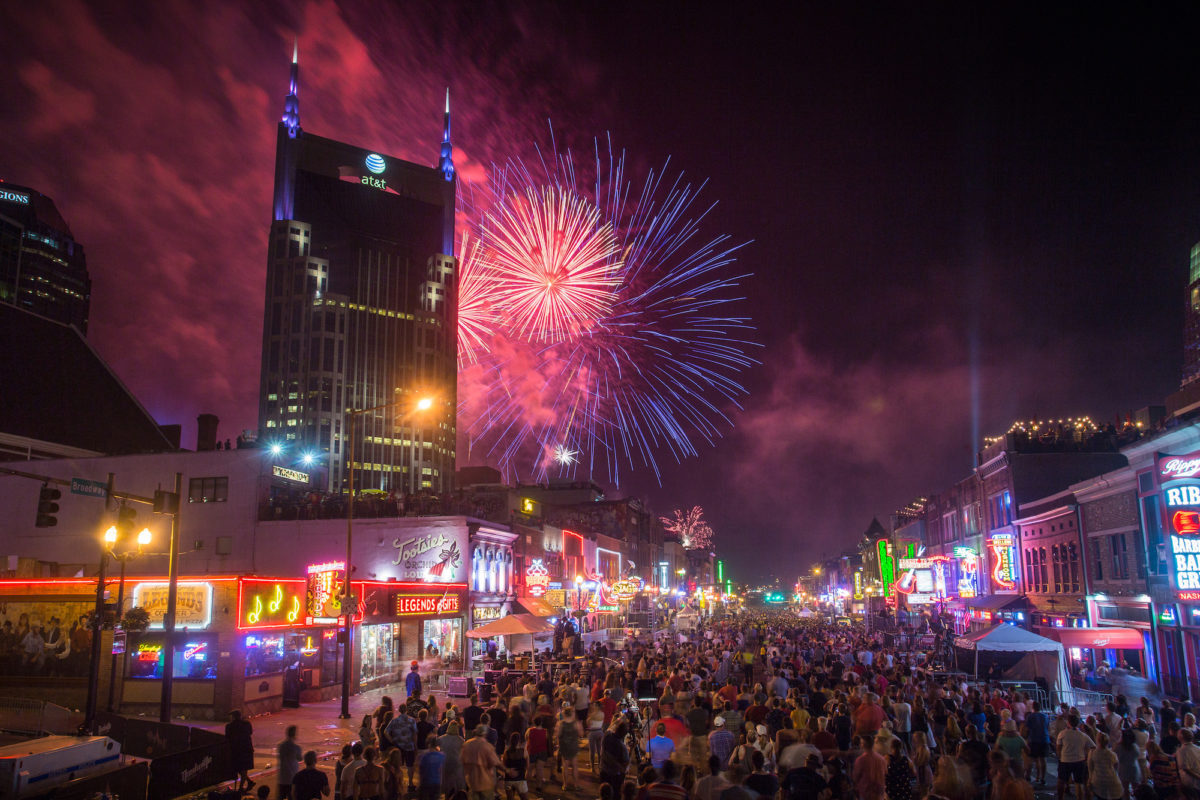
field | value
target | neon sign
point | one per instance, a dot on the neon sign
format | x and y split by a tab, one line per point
415	604
626	589
858	586
1185	550
376	164
537	578
887	566
1004	563
968	576
149	652
323	596
195	650
193	603
264	603
1182	496
14	197
1174	467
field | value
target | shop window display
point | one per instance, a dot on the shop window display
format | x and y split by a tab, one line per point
380	658
272	652
195	658
44	638
442	639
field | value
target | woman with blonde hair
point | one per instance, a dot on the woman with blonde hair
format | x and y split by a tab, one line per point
953	736
922	759
952	781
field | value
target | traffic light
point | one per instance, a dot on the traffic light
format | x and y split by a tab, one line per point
166	502
47	507
126	520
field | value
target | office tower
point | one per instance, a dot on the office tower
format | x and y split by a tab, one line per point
361	310
42	267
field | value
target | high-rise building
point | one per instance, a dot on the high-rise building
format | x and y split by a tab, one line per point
361	310
1191	321
42	267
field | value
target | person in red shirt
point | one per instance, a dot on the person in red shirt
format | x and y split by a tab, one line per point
675	682
869	717
609	706
728	692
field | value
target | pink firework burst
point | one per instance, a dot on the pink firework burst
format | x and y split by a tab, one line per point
555	261
477	316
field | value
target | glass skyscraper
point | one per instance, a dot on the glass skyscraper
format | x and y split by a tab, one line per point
42	267
361	311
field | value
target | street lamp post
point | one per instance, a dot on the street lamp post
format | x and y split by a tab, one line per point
89	711
347	612
110	538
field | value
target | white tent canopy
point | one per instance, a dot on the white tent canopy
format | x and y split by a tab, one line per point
1044	658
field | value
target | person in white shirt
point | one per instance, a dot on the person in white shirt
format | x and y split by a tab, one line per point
348	772
1187	757
902	712
1073	746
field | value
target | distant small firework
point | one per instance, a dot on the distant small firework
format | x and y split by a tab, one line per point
565	456
611	320
690	526
556	262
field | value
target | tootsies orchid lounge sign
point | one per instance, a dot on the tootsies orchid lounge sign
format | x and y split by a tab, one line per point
1181	496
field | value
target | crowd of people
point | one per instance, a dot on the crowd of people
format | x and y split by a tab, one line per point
763	706
49	647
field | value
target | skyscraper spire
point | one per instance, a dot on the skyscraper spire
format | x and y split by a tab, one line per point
446	162
291	105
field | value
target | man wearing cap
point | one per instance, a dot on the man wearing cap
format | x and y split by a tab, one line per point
481	765
721	741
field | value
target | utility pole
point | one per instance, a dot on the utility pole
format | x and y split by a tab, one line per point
93	693
164	711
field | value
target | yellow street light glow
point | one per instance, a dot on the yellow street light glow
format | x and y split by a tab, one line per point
110	535
424	404
144	536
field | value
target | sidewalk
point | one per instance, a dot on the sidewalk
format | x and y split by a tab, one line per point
318	724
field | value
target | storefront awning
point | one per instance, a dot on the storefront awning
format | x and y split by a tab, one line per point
536	606
996	602
1097	638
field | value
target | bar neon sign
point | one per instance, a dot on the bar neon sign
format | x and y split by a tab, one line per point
409	605
537	578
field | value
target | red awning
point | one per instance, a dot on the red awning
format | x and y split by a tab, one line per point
1097	638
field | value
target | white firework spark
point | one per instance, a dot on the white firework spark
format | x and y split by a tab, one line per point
565	456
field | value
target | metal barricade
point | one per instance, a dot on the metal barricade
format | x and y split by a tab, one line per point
37	717
1085	700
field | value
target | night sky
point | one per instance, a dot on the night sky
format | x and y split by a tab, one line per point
926	188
